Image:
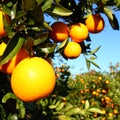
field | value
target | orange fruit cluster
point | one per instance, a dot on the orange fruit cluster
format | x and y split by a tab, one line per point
78	32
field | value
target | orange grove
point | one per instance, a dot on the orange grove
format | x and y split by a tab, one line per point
72	50
95	23
32	79
59	32
78	32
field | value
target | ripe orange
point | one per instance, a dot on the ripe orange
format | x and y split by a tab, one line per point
32	79
78	32
2	30
110	114
95	23
8	67
2	48
59	32
72	50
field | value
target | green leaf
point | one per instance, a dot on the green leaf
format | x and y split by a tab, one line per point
67	107
87	104
87	63
13	46
112	18
92	57
21	109
40	38
64	117
60	10
74	111
8	96
6	10
95	50
60	106
7	26
95	64
28	4
62	45
49	50
95	110
46	5
37	15
55	105
47	25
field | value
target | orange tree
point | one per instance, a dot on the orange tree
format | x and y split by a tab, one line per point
23	25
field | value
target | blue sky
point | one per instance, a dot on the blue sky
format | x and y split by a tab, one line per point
109	40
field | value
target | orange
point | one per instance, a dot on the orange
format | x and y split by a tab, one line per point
107	81
110	114
8	67
32	79
2	48
59	32
95	23
72	50
2	30
78	32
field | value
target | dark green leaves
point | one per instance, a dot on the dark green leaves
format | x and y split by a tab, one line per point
57	9
28	4
112	18
13	46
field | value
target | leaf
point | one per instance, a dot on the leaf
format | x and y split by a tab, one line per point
92	57
60	10
62	45
95	64
87	104
37	15
40	38
21	109
49	50
46	5
8	96
64	117
68	106
74	111
6	10
87	63
28	4
112	18
95	110
60	106
47	25
13	46
95	50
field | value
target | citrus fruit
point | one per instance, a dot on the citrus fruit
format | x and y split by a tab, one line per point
11	64
2	29
94	23
72	50
32	79
59	32
78	32
2	48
